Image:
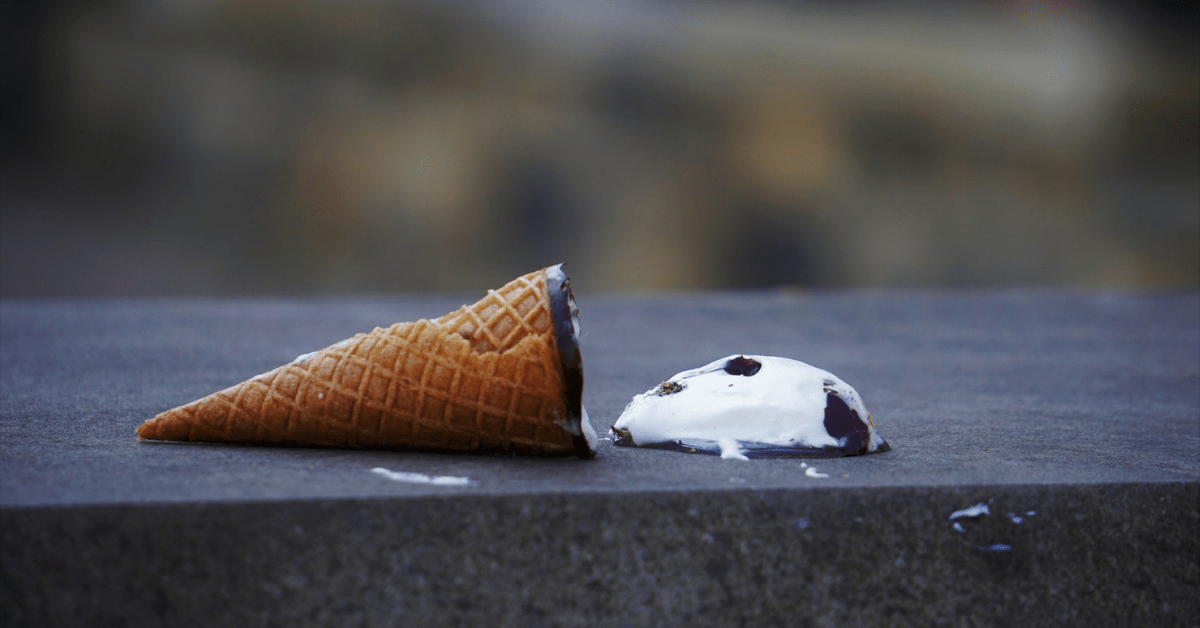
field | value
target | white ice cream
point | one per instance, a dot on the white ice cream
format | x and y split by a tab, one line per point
751	405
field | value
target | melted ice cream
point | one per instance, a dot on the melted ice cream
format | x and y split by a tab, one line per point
751	406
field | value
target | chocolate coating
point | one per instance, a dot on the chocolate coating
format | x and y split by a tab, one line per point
564	313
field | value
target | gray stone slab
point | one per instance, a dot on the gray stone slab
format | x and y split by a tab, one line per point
1093	555
1081	407
987	388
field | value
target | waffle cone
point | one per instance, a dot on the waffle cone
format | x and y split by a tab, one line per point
502	374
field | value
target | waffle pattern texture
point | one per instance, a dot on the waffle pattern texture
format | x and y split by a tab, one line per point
486	377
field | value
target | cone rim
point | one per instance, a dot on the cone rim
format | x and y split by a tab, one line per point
564	316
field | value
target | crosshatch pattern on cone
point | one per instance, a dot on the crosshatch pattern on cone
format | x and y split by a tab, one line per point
487	376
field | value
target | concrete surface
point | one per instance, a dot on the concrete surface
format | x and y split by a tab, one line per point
1083	408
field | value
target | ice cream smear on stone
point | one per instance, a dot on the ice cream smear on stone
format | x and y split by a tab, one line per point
743	407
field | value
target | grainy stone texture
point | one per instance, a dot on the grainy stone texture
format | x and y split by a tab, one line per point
1083	408
1117	555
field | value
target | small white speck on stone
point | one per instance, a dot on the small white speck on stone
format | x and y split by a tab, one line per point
978	510
421	478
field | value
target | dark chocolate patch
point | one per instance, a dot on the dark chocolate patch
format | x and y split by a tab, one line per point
621	437
743	366
669	388
842	422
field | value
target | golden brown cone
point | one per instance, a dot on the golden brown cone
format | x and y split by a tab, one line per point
485	377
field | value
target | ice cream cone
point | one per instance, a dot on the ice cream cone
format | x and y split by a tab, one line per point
503	374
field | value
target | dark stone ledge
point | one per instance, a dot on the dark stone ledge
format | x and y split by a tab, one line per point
1094	555
1081	407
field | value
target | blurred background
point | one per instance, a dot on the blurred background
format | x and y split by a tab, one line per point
233	147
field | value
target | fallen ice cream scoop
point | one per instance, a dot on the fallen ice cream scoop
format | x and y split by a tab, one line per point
751	407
